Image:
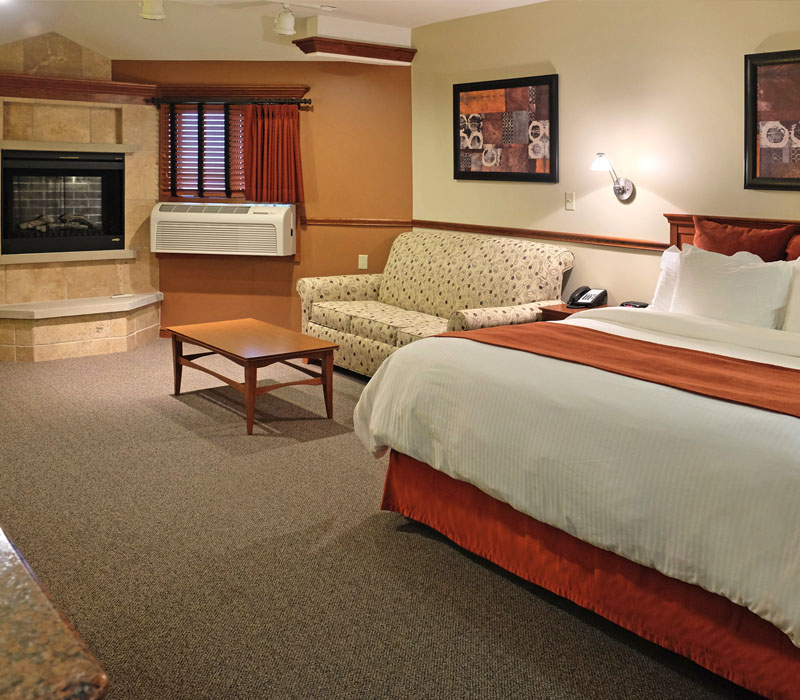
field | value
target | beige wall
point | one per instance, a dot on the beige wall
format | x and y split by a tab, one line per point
656	84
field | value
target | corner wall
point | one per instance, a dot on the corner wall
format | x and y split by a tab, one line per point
658	85
356	151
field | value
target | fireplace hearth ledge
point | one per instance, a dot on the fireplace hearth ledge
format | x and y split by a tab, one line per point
78	307
54	330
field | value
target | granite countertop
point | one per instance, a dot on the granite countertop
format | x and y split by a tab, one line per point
41	655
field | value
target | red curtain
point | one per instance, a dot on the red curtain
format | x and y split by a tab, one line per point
272	154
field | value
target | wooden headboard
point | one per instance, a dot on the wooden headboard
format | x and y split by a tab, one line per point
681	226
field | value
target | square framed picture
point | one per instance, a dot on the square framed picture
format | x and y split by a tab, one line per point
772	121
506	129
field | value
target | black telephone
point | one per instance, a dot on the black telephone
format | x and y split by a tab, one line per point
586	298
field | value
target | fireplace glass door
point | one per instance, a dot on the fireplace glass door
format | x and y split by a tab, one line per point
59	202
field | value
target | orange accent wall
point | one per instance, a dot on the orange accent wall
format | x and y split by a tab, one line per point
356	151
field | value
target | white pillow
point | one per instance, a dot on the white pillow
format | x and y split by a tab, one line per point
740	287
665	287
791	321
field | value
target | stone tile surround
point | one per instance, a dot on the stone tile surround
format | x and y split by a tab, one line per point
39	332
54	55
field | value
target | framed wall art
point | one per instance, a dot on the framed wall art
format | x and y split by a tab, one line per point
506	129
772	121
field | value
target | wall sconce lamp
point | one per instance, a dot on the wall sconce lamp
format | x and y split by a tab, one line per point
623	187
284	22
152	9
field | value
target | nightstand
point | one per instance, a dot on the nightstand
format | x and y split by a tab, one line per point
557	312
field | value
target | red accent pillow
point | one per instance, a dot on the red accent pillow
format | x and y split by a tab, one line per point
768	243
793	249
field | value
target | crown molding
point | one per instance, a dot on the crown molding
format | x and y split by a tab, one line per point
356	50
78	89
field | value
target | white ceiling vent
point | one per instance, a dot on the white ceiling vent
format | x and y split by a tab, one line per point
223	229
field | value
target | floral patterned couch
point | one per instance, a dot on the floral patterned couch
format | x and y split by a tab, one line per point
434	281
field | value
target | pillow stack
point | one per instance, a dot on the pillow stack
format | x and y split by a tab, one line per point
734	274
740	287
793	248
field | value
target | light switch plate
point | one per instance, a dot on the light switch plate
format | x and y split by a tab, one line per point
569	201
363	262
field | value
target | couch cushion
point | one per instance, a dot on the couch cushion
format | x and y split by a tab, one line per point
422	329
327	313
438	272
369	319
358	354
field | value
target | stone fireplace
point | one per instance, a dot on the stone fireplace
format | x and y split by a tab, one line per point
67	288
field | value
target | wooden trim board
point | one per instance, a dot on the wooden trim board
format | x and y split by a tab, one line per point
78	89
356	49
584	239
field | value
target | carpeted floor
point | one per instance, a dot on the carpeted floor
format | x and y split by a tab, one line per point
198	562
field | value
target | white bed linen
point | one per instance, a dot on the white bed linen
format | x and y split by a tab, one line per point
703	490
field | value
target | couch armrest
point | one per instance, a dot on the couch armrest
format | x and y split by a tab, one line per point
470	319
336	288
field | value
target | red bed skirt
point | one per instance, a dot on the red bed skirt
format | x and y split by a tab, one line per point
710	630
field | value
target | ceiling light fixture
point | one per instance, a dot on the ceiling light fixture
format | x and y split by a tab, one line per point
284	22
623	187
152	9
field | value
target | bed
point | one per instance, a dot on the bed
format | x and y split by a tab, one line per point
669	512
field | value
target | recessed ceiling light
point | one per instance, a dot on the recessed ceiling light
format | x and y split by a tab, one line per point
327	8
152	9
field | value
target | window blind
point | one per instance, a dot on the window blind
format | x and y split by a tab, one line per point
201	151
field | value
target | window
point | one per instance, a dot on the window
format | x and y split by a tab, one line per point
202	151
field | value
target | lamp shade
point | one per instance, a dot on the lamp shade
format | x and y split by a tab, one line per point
153	9
284	22
601	163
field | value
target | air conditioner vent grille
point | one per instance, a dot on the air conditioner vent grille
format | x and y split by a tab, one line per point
208	237
202	209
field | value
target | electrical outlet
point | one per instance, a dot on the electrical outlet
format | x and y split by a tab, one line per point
363	262
569	201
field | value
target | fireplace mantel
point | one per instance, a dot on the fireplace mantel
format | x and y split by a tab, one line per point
65	146
72	256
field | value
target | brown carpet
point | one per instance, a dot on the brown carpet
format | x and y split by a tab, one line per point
198	562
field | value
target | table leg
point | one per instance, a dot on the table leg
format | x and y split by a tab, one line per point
177	353
327	381
250	382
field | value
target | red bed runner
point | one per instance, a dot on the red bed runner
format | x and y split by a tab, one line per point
712	631
739	381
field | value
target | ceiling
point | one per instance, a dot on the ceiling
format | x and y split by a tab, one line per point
218	29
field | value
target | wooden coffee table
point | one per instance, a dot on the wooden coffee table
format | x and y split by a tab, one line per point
253	344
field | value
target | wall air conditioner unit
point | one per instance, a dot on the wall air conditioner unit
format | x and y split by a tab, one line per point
223	229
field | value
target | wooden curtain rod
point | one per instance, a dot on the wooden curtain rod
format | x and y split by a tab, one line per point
158	101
